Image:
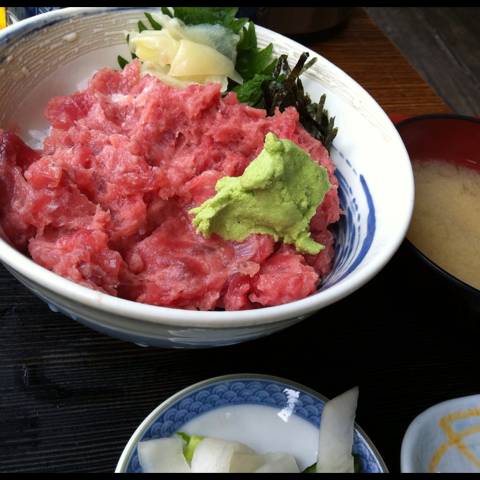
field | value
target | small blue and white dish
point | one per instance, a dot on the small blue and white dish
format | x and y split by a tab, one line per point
269	414
445	438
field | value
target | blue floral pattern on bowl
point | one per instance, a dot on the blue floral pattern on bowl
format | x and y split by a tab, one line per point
247	391
353	235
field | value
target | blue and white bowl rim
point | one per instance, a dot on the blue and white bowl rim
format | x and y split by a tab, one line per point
130	449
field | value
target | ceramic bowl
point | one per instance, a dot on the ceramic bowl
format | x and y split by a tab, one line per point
447	138
444	439
266	413
55	53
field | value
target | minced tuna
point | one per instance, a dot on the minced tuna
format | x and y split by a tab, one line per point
106	203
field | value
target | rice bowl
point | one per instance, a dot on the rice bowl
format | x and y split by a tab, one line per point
375	186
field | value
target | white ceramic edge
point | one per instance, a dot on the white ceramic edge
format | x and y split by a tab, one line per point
211	319
408	442
137	435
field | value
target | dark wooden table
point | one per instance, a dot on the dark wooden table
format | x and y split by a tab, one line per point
442	43
70	398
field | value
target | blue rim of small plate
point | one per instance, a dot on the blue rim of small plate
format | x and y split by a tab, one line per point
272	384
428	261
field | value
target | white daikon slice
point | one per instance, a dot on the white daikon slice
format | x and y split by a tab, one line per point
246	462
278	463
213	455
162	455
336	434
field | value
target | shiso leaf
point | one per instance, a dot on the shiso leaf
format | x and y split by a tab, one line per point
122	62
225	16
248	37
251	92
253	61
166	11
155	25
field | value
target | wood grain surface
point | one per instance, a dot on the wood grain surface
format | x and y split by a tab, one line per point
363	51
443	44
70	398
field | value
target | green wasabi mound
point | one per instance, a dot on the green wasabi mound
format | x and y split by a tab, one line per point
278	194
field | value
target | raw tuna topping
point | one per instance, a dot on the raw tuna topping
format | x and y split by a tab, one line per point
106	203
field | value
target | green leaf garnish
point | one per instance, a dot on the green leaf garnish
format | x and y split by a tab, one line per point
251	91
248	38
122	62
191	443
166	11
128	43
155	25
141	27
225	16
251	62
